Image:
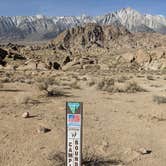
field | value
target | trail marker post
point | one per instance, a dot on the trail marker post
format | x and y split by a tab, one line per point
74	116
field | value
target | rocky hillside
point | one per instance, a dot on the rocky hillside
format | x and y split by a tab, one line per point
90	47
113	45
34	28
90	35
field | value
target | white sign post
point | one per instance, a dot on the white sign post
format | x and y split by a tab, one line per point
74	133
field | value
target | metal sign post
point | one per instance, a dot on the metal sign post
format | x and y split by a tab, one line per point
74	116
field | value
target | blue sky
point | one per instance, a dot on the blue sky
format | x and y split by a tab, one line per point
78	7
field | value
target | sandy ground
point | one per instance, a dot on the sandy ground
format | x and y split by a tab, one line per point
116	126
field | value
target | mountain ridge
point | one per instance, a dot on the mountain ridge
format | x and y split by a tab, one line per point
39	27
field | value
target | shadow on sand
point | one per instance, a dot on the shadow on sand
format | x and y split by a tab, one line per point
87	161
11	90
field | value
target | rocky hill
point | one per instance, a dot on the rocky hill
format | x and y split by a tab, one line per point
89	35
35	28
113	45
92	46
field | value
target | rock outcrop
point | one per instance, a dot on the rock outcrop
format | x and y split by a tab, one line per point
3	55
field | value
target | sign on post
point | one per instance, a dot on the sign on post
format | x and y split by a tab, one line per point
74	115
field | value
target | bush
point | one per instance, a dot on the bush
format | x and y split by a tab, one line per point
6	80
91	83
26	100
43	86
49	81
159	99
133	87
93	159
89	159
150	77
53	92
122	79
75	85
106	84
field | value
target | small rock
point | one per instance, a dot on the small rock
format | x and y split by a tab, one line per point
25	115
144	151
43	130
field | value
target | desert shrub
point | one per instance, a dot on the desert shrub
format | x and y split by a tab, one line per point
89	159
6	80
106	84
8	74
75	77
54	92
133	87
44	83
26	99
150	77
57	158
122	79
158	118
52	81
49	81
21	79
159	99
75	85
43	86
91	83
28	81
51	91
92	158
155	85
84	79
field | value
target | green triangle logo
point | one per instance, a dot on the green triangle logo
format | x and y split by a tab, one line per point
73	107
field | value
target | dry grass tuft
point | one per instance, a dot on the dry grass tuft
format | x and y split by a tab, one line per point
51	91
89	159
159	99
43	86
54	92
6	80
26	100
133	87
75	85
91	83
57	158
93	159
150	77
106	84
122	79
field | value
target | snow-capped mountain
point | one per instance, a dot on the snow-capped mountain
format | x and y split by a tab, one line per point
135	21
43	27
